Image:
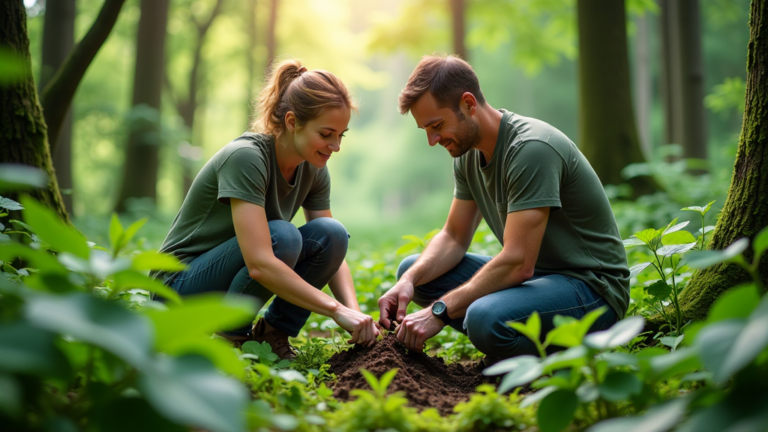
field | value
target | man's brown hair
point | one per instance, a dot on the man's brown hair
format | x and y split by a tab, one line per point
445	77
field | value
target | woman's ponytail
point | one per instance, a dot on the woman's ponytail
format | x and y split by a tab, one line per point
290	87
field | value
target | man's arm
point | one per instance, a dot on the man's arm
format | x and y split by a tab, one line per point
444	252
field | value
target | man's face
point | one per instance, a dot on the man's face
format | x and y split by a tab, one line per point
457	132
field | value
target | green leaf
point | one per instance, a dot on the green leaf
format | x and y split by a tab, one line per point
11	396
510	365
737	302
573	357
189	390
407	248
760	243
630	242
115	233
387	378
157	261
614	359
523	374
15	177
10	204
371	379
703	259
659	418
749	343
29	350
672	341
646	236
52	230
292	375
572	334
261	349
431	234
128	279
659	290
676	363
619	334
131	231
670	250
678	237
532	398
101	323
131	414
637	269
674	228
414	239
706	229
531	329
619	386
715	342
556	410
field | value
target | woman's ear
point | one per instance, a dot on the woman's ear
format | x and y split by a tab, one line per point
290	121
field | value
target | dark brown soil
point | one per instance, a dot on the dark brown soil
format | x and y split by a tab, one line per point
427	381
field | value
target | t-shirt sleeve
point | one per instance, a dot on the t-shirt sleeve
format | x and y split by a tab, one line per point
319	197
461	187
243	175
533	175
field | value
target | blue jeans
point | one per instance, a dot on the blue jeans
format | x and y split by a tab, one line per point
314	251
486	318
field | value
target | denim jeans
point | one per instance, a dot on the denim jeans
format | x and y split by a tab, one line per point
485	320
314	251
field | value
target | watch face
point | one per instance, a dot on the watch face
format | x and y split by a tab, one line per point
438	308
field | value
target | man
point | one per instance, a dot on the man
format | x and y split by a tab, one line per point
562	253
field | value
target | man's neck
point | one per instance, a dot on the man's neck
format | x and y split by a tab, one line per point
489	120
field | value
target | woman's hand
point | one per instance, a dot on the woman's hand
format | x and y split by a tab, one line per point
394	303
359	325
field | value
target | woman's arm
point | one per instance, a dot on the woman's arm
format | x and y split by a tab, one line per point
252	230
341	284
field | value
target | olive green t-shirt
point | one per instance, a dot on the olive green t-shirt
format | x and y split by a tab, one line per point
245	169
535	165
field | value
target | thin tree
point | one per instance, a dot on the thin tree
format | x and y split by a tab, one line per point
746	209
58	41
144	136
250	55
187	105
608	136
23	133
458	14
271	39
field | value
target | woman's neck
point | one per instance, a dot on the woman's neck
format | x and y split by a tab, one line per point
287	157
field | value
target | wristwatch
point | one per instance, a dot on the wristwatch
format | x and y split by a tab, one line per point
440	310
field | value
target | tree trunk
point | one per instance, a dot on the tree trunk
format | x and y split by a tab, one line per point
682	77
58	40
746	209
23	133
608	137
458	10
250	56
144	138
271	37
643	85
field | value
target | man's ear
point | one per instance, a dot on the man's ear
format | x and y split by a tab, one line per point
469	102
290	121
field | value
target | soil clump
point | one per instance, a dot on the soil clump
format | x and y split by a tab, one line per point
426	381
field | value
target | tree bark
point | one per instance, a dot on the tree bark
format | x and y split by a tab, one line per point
144	138
746	209
458	12
271	38
682	77
250	57
58	40
643	85
23	133
608	135
57	96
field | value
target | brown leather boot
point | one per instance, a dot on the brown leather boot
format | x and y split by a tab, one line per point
263	332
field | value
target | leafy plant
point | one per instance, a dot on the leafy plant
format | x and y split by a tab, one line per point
415	242
487	410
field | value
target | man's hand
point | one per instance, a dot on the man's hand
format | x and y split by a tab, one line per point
417	328
393	304
361	326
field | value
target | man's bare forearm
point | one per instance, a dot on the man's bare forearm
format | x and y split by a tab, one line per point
443	253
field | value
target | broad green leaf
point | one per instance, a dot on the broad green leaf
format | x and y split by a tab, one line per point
11	396
659	290
587	392
414	239
261	349
674	228
38	259
614	359
199	315
618	386
678	237
103	265
676	363
407	248
523	374
107	325
217	350
10	204
29	350
572	334
532	398
619	334
52	230
672	341
510	364
128	279
630	242
715	342
371	379
647	236
387	378
115	233
737	302
703	259
157	261
131	414
292	375
637	269
531	329
760	243
16	177
750	342
431	234
670	250
556	411
702	210
659	418
706	229
131	231
189	390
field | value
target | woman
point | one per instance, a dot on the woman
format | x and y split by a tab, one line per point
233	229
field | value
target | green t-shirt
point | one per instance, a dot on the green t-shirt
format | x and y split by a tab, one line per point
535	165
245	169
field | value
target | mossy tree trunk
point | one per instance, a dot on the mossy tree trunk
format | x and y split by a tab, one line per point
608	135
746	209
23	133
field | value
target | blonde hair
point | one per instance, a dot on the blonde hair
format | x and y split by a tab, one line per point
291	87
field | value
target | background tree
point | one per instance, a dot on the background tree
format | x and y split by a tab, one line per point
682	77
144	136
23	134
458	14
608	135
251	28
271	39
58	40
746	210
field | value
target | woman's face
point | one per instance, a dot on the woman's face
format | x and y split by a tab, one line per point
316	140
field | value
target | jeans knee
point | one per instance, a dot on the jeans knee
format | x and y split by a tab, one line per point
406	264
286	241
334	231
489	334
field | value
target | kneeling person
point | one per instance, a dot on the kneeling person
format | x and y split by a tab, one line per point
562	253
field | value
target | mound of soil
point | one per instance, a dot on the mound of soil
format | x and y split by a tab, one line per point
427	381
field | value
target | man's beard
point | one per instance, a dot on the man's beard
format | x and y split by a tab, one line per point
467	136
